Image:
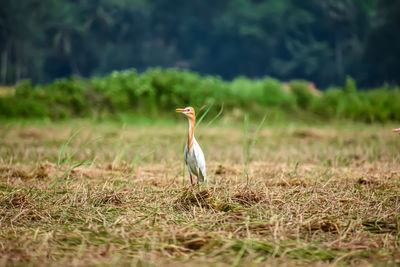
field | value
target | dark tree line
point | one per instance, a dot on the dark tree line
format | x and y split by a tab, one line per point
317	40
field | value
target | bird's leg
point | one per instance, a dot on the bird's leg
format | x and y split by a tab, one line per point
191	179
190	175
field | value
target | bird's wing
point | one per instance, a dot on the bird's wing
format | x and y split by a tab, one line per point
186	155
200	160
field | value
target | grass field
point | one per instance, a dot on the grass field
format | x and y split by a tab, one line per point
79	193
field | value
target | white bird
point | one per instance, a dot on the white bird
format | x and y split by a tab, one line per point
396	130
194	157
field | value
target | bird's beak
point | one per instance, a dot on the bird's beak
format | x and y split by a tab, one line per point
180	110
396	130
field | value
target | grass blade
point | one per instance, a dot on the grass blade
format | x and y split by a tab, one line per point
63	147
255	136
61	179
213	119
216	117
203	115
248	146
245	149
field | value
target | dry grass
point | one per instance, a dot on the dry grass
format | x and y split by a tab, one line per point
327	195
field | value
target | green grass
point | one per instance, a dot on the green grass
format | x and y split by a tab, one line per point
322	194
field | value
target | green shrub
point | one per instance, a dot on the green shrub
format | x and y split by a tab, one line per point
159	91
350	85
275	96
301	92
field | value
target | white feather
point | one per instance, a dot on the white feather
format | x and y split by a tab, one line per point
195	162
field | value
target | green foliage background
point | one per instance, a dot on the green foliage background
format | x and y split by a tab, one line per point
316	40
159	91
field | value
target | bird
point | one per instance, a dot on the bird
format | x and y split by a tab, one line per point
194	156
396	130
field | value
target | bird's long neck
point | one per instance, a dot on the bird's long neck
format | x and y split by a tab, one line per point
190	133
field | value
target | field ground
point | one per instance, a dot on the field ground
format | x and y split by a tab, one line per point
317	195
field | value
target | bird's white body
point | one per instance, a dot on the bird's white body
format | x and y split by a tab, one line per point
195	162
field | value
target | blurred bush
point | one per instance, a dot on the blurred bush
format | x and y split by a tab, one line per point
160	91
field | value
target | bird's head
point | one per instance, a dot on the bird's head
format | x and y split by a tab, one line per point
396	130
188	112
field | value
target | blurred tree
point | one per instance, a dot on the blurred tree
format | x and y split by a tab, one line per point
318	40
20	37
383	46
